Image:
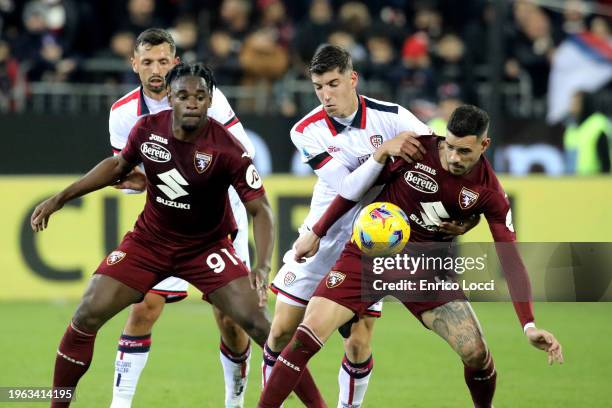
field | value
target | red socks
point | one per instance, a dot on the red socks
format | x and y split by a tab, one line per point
290	368
481	383
73	358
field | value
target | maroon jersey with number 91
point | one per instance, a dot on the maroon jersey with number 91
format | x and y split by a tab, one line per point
187	182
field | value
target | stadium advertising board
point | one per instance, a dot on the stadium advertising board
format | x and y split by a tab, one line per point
57	263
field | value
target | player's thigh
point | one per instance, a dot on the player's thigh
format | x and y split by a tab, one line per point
222	278
104	297
457	323
237	300
286	319
323	316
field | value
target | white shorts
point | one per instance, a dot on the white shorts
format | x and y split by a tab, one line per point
295	282
175	289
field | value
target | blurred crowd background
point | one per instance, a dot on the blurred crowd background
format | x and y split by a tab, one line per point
542	60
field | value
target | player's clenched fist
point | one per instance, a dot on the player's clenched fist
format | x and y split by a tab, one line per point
405	145
306	246
40	217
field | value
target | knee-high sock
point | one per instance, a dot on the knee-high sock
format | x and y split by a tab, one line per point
353	380
73	358
132	355
290	366
235	372
306	389
481	383
269	359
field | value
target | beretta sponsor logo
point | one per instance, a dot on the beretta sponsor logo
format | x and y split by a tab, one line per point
155	152
421	181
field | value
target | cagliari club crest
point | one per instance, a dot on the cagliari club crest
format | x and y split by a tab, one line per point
201	161
467	198
376	140
115	257
334	278
289	278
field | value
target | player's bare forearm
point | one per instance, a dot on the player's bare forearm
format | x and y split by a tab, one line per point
263	230
104	174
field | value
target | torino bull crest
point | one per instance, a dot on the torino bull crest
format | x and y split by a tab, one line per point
202	161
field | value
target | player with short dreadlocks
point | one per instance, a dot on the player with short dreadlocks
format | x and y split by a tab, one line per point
184	227
153	57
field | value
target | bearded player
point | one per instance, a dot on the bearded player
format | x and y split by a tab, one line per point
464	185
345	140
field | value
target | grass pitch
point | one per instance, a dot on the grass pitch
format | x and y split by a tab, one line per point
413	367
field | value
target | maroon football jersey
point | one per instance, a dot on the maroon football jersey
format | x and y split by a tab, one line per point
428	194
187	182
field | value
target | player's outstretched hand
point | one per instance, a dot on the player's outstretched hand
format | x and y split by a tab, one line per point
259	281
405	145
306	246
455	228
40	217
546	341
135	180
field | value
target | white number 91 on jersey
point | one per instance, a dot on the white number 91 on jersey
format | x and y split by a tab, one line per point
381	229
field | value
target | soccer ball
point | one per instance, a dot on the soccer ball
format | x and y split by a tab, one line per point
381	229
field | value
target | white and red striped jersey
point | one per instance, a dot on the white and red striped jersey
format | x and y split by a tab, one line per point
322	139
127	110
135	104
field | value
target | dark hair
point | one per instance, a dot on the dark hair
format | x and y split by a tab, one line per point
155	36
329	57
197	69
468	120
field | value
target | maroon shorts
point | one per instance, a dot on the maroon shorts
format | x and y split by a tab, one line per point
344	284
141	264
